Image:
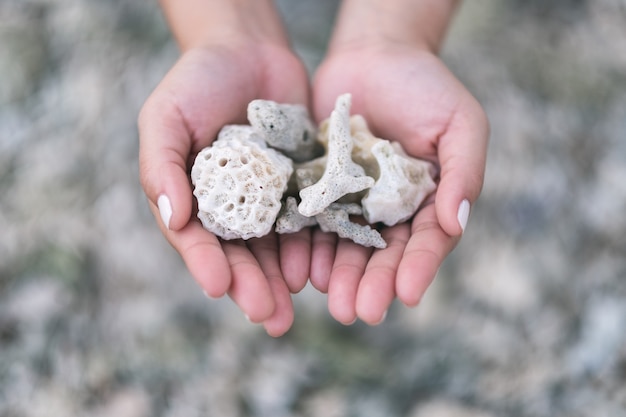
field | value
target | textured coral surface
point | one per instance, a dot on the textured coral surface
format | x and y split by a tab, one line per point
341	174
98	316
239	183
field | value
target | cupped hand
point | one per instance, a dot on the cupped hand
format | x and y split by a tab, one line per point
407	95
208	87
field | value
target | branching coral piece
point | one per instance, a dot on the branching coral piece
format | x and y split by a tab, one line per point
341	176
290	220
239	183
310	172
336	218
286	127
403	184
363	141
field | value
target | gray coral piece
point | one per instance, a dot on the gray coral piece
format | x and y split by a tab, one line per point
341	176
336	218
290	220
286	127
240	179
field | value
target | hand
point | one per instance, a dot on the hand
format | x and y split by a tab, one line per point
407	95
210	86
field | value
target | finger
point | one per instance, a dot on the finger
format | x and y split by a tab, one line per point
462	154
202	253
424	253
295	258
249	289
164	146
265	250
346	274
377	287
182	116
281	320
322	258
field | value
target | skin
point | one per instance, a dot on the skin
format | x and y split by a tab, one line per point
234	51
408	95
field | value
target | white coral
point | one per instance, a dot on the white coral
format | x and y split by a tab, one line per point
342	176
290	220
286	127
336	218
402	186
239	183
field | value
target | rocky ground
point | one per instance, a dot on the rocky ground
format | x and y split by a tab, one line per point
98	316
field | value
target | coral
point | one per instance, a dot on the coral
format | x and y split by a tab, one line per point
239	183
402	186
336	218
286	127
402	182
364	140
241	179
290	220
341	176
310	172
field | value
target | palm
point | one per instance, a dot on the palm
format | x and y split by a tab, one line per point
407	96
205	90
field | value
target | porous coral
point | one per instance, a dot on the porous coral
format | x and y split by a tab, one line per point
290	220
286	127
401	187
336	218
240	180
342	175
239	183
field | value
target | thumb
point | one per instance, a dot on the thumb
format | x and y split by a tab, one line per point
462	154
164	147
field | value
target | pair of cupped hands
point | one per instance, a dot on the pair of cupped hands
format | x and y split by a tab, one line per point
406	94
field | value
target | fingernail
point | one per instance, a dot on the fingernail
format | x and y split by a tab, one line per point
463	213
165	209
382	319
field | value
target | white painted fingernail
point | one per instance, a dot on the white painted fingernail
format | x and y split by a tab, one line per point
463	213
382	319
165	209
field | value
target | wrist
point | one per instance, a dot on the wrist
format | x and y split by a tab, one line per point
420	24
198	23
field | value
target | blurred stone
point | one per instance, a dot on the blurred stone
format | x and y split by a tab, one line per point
329	403
274	382
446	408
37	300
126	403
23	59
502	279
602	334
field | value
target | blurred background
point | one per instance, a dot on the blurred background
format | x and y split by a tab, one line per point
99	317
